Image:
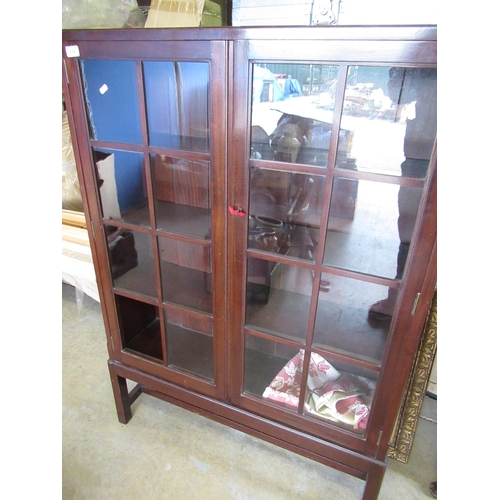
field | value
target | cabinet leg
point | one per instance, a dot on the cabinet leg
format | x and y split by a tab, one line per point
373	484
123	399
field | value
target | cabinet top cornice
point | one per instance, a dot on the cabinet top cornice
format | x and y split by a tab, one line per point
407	32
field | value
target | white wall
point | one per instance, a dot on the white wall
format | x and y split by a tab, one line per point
388	12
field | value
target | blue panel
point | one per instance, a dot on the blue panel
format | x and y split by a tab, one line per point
112	100
129	178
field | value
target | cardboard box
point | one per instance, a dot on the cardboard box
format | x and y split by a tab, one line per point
175	14
183	14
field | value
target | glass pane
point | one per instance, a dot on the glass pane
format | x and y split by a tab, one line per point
112	100
263	360
190	343
140	327
339	393
391	118
186	274
131	260
372	235
353	317
285	211
182	196
278	298
122	186
292	112
177	104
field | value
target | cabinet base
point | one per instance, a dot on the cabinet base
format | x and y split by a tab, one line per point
368	469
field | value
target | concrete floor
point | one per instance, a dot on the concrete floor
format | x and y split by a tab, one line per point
166	452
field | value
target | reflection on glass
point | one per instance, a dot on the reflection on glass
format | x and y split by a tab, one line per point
278	298
182	195
374	237
186	274
190	343
339	393
122	186
177	104
131	261
346	320
292	112
263	360
390	115
112	100
285	211
139	327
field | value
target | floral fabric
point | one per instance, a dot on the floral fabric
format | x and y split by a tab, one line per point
336	396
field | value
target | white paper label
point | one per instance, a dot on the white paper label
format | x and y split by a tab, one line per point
72	51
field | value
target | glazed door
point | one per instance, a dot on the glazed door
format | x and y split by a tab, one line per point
156	162
330	180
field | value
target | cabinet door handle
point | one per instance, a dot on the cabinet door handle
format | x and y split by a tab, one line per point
236	211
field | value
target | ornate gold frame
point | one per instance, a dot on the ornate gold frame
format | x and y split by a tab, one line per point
406	424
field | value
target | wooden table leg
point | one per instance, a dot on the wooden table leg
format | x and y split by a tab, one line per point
374	480
123	399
